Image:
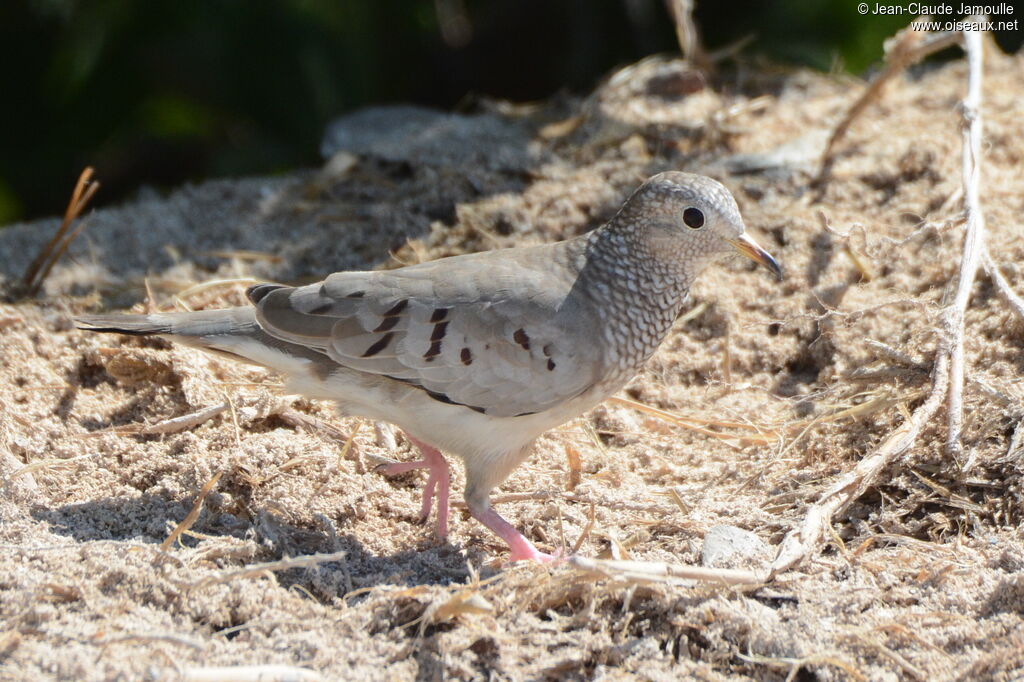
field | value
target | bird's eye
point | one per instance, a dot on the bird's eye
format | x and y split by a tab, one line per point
694	218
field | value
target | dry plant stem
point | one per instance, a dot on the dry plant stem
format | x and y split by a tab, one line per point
258	569
657	570
39	268
1010	296
180	640
974	238
795	665
801	541
687	35
903	663
298	419
905	48
193	513
1015	441
251	673
186	421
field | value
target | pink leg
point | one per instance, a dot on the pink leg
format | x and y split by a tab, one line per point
437	480
522	549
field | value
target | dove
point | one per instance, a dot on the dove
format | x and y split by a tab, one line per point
477	355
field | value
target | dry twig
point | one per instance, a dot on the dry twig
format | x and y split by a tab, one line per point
39	268
687	34
795	665
168	638
259	569
974	239
186	421
948	364
656	571
905	48
193	513
251	673
1007	293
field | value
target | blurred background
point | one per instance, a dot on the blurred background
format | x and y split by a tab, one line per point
156	93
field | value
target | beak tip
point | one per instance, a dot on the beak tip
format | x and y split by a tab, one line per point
749	248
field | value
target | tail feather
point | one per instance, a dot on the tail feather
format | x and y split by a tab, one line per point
204	323
232	331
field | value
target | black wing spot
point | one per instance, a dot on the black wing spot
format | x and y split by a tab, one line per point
122	330
433	351
522	339
379	345
397	308
258	292
442	398
439	397
388	324
439	314
548	349
466	356
551	365
439	331
356	294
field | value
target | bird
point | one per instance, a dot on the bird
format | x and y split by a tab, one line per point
479	354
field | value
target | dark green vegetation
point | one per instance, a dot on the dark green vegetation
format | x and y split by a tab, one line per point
158	92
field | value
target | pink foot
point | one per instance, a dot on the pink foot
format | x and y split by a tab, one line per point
437	480
521	548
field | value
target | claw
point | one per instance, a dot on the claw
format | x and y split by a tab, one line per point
438	480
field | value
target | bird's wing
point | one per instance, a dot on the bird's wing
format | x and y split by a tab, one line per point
504	336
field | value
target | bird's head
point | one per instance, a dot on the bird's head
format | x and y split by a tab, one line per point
689	219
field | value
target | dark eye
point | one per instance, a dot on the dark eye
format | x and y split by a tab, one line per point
693	217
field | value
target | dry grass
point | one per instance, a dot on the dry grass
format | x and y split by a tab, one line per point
49	255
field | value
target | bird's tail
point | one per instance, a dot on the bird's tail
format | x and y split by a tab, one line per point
233	332
187	327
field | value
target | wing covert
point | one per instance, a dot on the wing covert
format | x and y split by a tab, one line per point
492	335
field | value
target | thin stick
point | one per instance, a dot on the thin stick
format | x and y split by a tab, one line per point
671	416
48	256
801	541
257	569
974	239
214	283
193	513
296	418
1015	440
905	48
893	354
734	441
687	34
586	532
250	673
169	638
658	570
185	421
797	664
1010	296
896	658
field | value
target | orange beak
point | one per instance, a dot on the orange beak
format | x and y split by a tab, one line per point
752	250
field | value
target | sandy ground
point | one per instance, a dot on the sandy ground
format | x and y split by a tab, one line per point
923	577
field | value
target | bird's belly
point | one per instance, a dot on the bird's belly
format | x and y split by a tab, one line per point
455	429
